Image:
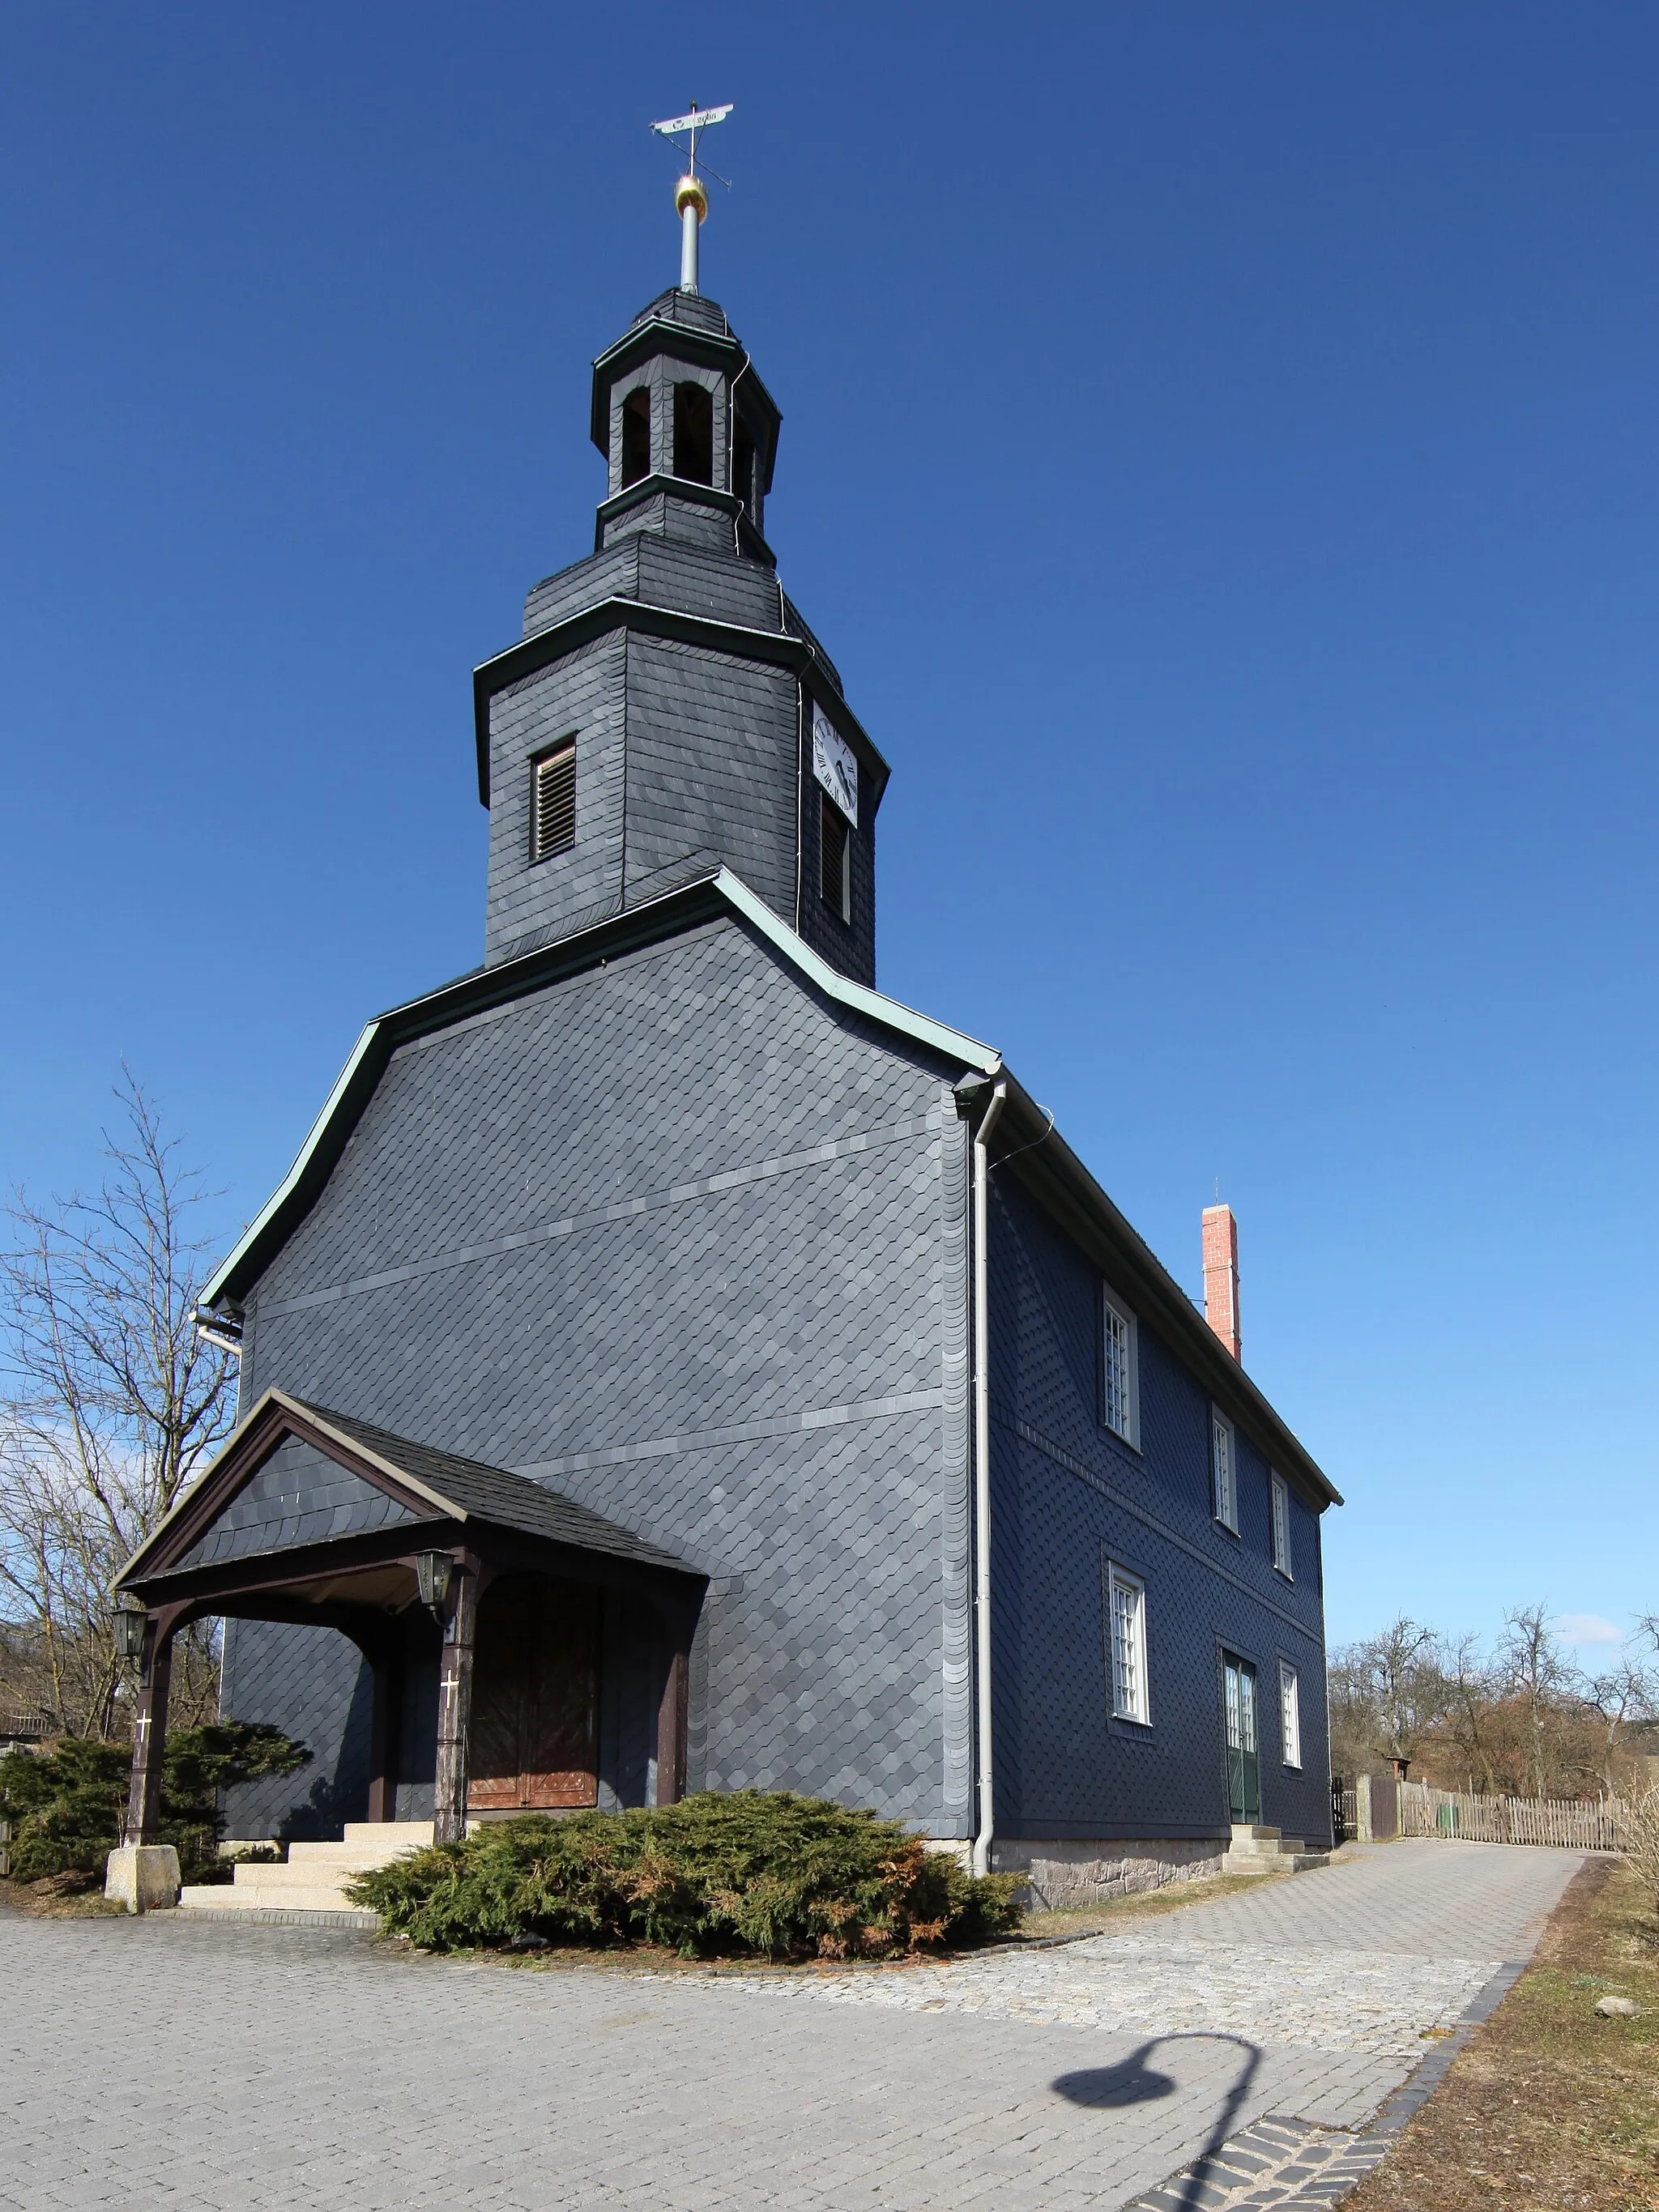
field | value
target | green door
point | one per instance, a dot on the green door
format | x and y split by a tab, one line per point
1244	1766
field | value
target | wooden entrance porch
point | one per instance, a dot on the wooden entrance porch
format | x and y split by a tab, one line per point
314	1517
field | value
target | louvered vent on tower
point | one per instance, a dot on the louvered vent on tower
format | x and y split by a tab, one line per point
553	801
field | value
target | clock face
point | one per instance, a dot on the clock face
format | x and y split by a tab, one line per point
833	766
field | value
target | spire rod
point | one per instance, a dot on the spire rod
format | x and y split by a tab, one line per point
690	200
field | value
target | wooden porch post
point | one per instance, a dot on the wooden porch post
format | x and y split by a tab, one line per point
671	1724
150	1731
455	1704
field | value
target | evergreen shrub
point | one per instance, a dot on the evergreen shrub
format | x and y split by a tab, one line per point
66	1805
765	1873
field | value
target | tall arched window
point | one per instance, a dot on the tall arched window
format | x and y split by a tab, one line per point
693	434
637	435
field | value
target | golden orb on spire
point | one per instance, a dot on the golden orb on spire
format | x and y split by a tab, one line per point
688	193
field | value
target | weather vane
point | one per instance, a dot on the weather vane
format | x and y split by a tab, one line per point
690	200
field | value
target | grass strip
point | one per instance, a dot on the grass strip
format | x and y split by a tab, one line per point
1551	2107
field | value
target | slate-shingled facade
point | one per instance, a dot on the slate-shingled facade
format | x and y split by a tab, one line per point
665	1210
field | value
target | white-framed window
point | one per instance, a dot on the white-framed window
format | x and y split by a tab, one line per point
1223	1471
1120	1378
1289	1714
1127	1599
1281	1503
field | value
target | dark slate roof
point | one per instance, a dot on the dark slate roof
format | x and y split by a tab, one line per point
690	308
494	1493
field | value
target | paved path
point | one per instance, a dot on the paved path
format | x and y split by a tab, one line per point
165	2063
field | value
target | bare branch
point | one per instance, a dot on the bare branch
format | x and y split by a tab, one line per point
110	1401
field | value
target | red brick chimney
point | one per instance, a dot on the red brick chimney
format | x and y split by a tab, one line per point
1221	1274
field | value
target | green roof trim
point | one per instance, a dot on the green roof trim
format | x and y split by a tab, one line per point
893	1013
1045	1163
642	925
778	648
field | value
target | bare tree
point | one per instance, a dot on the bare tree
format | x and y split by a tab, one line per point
1625	1697
1540	1679
1409	1686
1472	1694
1521	1719
109	1403
1387	1695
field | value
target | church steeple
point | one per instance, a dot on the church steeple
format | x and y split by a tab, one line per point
667	711
689	432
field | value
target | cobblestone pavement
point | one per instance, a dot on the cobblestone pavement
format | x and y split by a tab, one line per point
163	2063
1333	2000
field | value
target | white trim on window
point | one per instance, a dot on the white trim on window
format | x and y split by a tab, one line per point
1125	1599
1119	1370
1289	1714
1280	1494
1223	1471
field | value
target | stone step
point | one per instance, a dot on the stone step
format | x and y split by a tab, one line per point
222	1903
398	1835
1291	1856
253	1875
309	1884
351	1855
1243	1832
295	1897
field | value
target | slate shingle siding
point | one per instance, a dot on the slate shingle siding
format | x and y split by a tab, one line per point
310	1683
685	1242
706	529
664	574
529	901
685	758
1068	1495
300	1496
613	573
711	754
726	589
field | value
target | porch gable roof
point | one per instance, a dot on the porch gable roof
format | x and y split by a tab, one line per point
419	1483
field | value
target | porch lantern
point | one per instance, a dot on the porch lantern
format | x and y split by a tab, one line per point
131	1622
433	1573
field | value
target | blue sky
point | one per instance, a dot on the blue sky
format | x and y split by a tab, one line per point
1220	450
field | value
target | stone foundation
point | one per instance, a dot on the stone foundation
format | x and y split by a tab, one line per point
1066	1875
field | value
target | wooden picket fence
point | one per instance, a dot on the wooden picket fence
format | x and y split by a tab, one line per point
1425	1811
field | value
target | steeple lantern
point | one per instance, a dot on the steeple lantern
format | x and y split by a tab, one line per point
689	432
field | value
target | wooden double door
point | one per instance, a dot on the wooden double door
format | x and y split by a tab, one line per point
534	1738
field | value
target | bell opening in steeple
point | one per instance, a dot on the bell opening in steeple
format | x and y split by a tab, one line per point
637	435
693	434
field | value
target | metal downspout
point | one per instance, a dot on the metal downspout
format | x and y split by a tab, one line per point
987	1830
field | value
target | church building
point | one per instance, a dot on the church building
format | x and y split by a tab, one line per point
672	1365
